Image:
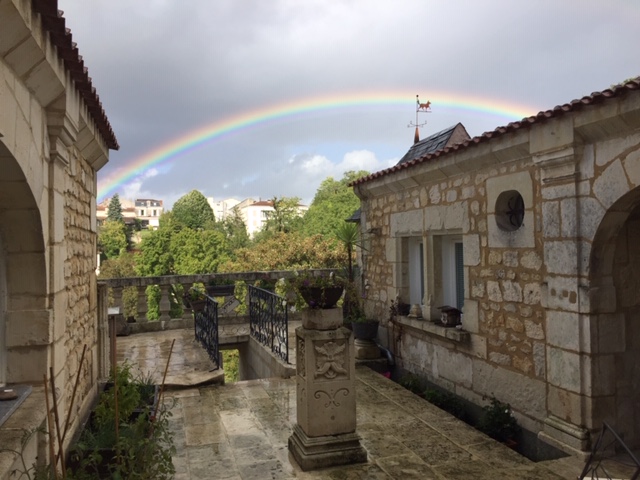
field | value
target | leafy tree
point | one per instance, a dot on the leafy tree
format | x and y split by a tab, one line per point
235	231
115	209
155	257
197	251
287	251
285	217
333	203
193	211
122	266
112	238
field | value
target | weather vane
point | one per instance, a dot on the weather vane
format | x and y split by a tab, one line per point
420	108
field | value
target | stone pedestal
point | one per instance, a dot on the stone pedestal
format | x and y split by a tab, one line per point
366	349
325	433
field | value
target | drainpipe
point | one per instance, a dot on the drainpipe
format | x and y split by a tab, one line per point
390	359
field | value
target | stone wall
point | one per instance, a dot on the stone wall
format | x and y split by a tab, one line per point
546	217
50	151
81	319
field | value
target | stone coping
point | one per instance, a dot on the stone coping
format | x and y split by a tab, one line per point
447	333
30	415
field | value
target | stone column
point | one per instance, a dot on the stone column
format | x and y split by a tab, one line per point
568	369
325	432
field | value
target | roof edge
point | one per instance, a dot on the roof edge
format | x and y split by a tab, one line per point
53	23
540	117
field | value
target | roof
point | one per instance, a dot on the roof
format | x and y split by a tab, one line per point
262	203
54	23
559	110
432	144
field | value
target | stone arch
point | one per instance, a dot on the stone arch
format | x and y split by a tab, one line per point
23	272
614	278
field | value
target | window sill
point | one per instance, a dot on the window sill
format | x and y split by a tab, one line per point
447	333
28	416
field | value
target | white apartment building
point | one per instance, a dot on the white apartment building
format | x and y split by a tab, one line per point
145	209
222	208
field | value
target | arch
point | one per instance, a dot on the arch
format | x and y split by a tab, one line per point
614	319
23	272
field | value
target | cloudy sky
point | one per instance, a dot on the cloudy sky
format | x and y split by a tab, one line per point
281	94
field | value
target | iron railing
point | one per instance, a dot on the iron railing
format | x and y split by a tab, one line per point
269	323
602	464
206	330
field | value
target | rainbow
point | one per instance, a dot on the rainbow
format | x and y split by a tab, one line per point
190	140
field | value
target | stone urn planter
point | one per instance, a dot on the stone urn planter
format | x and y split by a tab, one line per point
367	330
321	297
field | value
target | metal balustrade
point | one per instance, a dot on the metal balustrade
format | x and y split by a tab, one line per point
206	330
269	322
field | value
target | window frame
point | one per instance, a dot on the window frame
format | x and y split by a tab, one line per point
452	266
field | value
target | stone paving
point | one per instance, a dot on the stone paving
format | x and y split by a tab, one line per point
239	431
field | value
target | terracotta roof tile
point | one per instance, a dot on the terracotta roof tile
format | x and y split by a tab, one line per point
54	23
594	98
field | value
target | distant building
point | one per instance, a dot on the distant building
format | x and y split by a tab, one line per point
222	208
255	213
146	210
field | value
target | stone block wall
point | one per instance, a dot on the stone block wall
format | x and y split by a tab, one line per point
550	305
502	308
80	286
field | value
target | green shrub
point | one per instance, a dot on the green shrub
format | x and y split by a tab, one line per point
446	401
142	445
498	422
411	382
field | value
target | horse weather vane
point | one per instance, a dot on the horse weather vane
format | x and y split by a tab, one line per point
420	108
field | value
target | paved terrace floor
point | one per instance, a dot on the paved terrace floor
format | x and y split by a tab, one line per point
239	431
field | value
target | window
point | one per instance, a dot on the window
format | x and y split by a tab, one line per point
416	269
155	213
452	271
142	212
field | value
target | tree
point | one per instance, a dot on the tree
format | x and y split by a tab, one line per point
122	266
155	257
112	238
333	203
287	251
115	209
197	251
285	216
235	231
193	211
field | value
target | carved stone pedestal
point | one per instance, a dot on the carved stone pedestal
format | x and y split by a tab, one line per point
325	434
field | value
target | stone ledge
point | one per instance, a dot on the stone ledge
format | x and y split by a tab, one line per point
447	333
28	416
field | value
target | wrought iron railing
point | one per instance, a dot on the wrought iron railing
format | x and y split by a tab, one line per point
206	330
269	323
603	464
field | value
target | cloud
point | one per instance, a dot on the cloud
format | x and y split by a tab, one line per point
164	68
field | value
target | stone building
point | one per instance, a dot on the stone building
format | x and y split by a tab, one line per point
54	137
531	229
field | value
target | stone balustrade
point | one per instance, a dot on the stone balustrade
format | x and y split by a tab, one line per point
117	286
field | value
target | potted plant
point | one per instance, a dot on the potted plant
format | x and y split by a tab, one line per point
318	291
364	329
195	298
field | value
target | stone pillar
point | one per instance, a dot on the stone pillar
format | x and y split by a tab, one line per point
164	304
568	369
142	306
325	432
